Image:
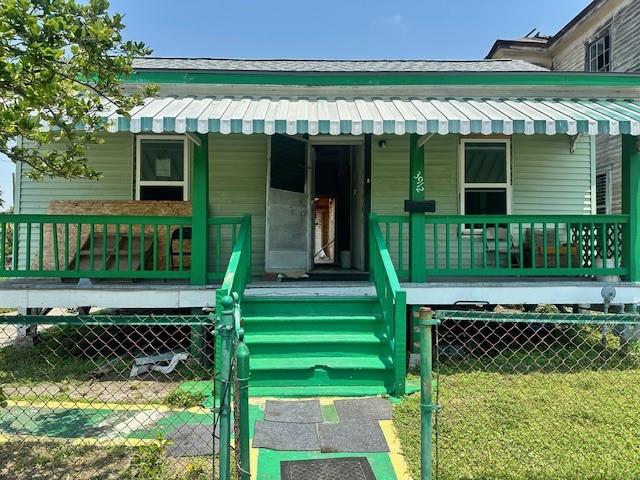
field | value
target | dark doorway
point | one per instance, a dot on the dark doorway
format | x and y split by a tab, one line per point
337	208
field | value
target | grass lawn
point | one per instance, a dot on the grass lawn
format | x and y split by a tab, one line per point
533	423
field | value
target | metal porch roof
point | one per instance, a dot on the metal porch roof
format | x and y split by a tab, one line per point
335	116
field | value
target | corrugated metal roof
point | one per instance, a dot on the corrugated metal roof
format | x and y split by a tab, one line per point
356	116
337	66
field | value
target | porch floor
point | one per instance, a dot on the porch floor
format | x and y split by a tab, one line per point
45	293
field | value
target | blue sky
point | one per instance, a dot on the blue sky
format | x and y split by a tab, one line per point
433	29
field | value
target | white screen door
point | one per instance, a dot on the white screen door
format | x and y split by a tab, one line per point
288	206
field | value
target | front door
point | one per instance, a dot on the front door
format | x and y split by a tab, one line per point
288	206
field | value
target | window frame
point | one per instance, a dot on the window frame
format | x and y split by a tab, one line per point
184	183
463	185
600	37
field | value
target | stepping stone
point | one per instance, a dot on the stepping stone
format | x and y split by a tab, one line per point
192	441
363	409
298	437
352	437
295	411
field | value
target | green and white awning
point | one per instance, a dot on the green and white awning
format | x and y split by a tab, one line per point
355	116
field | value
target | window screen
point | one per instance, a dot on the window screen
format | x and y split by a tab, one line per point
485	163
485	178
162	169
161	160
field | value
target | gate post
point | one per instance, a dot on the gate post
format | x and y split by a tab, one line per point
242	359
225	331
426	393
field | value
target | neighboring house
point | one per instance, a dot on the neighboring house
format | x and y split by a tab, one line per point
323	175
604	37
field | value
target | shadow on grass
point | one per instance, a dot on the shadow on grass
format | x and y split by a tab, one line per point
100	353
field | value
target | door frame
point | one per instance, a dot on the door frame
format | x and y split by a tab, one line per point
341	140
347	140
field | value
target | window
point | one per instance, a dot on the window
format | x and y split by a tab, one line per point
603	193
599	54
162	168
485	177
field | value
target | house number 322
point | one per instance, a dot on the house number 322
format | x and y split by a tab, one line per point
419	181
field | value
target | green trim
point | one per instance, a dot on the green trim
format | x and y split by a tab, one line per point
417	186
387	79
105	320
200	206
631	205
533	317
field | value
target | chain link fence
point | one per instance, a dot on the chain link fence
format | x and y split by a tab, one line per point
536	395
107	397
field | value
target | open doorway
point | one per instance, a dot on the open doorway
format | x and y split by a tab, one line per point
338	209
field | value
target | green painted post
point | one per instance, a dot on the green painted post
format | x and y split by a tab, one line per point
200	212
416	221
225	332
242	358
631	205
426	393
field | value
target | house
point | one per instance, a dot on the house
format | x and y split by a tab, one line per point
603	37
335	197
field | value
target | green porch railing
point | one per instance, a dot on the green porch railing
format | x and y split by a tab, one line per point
229	319
238	272
513	245
224	233
392	299
109	246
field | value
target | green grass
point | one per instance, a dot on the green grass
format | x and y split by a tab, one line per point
43	461
574	421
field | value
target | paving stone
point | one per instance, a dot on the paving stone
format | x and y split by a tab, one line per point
192	441
294	411
363	409
286	436
352	437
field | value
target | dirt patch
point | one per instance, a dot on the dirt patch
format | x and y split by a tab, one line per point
115	391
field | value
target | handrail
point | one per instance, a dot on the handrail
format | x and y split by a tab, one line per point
238	274
392	300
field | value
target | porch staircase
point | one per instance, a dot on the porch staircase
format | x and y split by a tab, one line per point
317	345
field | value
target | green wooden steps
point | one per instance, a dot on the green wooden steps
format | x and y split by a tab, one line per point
308	346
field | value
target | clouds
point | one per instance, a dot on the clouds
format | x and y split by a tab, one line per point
394	23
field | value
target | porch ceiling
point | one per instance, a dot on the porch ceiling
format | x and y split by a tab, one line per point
335	116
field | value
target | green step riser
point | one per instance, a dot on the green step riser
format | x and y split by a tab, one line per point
326	307
303	328
323	349
320	391
319	377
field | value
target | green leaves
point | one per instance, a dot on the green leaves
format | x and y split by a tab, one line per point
60	63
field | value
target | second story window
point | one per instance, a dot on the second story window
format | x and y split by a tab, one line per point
599	54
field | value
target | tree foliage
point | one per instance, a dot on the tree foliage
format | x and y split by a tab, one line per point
61	63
